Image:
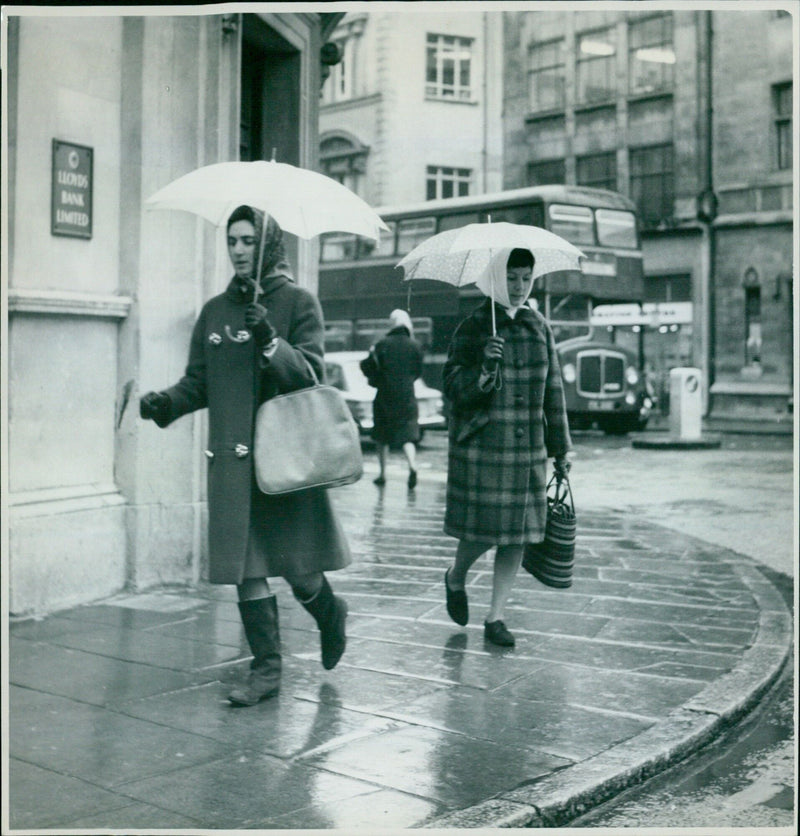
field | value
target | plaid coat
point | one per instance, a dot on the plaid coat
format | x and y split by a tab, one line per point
500	440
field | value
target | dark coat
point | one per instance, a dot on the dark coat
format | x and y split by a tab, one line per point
500	439
395	411
252	534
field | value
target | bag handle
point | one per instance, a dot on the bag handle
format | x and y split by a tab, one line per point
562	483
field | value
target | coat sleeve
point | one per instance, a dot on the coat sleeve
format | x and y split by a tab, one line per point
462	369
189	393
288	368
557	437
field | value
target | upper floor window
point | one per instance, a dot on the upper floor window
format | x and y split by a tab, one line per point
782	99
343	82
344	158
597	170
448	67
443	181
653	183
596	66
546	74
542	172
651	54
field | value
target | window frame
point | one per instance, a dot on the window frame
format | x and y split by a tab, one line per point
535	104
542	165
437	88
460	177
782	97
592	62
610	178
664	41
665	176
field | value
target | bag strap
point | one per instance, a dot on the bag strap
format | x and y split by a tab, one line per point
560	484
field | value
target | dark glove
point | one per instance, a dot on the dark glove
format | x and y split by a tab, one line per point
255	318
154	406
561	466
493	353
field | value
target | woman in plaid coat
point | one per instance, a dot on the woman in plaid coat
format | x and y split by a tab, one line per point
508	416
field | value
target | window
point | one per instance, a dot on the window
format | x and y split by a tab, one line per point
597	170
782	98
575	223
752	318
542	172
412	232
546	76
616	228
338	246
596	66
344	158
651	57
443	181
448	67
343	82
383	247
653	183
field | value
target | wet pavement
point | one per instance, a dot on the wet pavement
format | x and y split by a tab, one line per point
119	717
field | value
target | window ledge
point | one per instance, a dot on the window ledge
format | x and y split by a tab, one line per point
652	95
543	115
64	302
450	100
588	107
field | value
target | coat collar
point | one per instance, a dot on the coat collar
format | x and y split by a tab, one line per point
241	292
525	316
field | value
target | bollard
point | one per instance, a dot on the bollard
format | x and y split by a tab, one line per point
685	403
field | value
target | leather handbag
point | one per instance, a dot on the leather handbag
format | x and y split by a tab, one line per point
552	560
306	439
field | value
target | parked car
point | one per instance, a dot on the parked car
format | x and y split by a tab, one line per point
343	371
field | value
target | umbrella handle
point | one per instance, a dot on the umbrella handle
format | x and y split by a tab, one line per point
491	286
257	276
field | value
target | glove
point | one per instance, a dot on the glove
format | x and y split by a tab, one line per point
255	318
561	466
493	353
154	406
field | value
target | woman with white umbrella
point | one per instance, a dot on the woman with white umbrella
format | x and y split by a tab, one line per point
261	337
503	379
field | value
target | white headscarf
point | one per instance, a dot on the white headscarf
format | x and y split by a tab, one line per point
497	275
399	317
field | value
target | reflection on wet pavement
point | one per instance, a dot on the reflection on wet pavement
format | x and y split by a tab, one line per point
119	716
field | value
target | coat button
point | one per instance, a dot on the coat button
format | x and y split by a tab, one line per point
241	450
209	454
214	338
519	432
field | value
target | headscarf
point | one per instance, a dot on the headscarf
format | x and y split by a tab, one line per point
274	261
496	274
398	318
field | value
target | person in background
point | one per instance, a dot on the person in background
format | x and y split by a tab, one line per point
392	366
508	415
242	353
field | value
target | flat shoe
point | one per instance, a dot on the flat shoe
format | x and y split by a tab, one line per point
457	604
497	633
412	480
379	481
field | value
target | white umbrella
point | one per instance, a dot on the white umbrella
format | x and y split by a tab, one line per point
305	203
462	256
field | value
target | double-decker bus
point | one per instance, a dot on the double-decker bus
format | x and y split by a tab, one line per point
359	284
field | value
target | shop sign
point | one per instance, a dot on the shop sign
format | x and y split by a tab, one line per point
71	205
650	313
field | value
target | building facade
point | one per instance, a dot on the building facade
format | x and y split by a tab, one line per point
413	109
690	114
101	111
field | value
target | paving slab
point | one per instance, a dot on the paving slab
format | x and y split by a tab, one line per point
119	718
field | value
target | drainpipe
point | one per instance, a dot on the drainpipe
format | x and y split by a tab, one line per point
484	104
707	211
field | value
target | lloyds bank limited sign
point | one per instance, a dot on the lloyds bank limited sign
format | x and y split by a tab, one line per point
71	206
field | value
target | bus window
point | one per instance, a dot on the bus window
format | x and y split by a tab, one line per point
616	229
457	221
412	232
338	246
385	247
572	222
529	214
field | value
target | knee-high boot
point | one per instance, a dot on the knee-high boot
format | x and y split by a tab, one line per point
330	612
260	620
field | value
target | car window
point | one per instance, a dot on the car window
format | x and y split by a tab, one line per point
334	375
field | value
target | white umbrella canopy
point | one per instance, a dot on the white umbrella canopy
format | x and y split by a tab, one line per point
461	256
304	203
